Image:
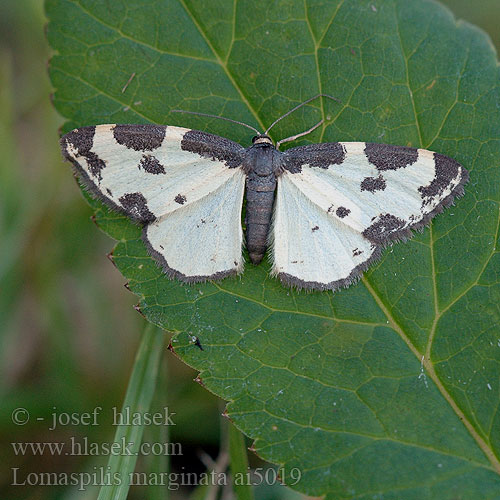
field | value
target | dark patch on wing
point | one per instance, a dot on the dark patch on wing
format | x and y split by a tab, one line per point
387	157
151	165
180	199
140	137
315	155
315	228
95	165
136	207
384	228
342	212
373	184
82	140
446	170
356	252
213	147
109	192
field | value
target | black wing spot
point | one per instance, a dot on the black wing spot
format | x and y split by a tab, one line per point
151	165
109	192
316	155
342	212
180	199
384	228
82	140
387	157
315	228
139	137
373	184
446	170
356	252
95	165
135	205
213	147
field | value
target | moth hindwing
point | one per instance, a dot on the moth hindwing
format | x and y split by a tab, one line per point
333	205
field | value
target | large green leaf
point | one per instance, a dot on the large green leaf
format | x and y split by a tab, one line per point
389	389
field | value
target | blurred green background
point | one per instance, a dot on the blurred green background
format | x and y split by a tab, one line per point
68	330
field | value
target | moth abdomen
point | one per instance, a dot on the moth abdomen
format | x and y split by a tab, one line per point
260	200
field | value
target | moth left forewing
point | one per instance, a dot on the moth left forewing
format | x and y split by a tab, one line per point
143	169
374	194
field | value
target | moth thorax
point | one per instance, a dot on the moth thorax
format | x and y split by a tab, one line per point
262	139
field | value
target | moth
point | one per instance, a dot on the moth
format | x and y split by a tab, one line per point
325	210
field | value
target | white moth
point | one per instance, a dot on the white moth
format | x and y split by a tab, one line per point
336	204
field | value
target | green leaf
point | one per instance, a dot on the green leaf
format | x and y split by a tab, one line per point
391	387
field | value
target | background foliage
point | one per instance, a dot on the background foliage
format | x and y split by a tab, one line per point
69	287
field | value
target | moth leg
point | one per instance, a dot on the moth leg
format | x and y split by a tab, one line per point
296	136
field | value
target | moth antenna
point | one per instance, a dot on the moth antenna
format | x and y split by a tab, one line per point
307	101
215	116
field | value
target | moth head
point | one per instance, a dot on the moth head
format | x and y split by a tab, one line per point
262	139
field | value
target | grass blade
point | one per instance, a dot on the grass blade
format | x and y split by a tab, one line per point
239	464
139	395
